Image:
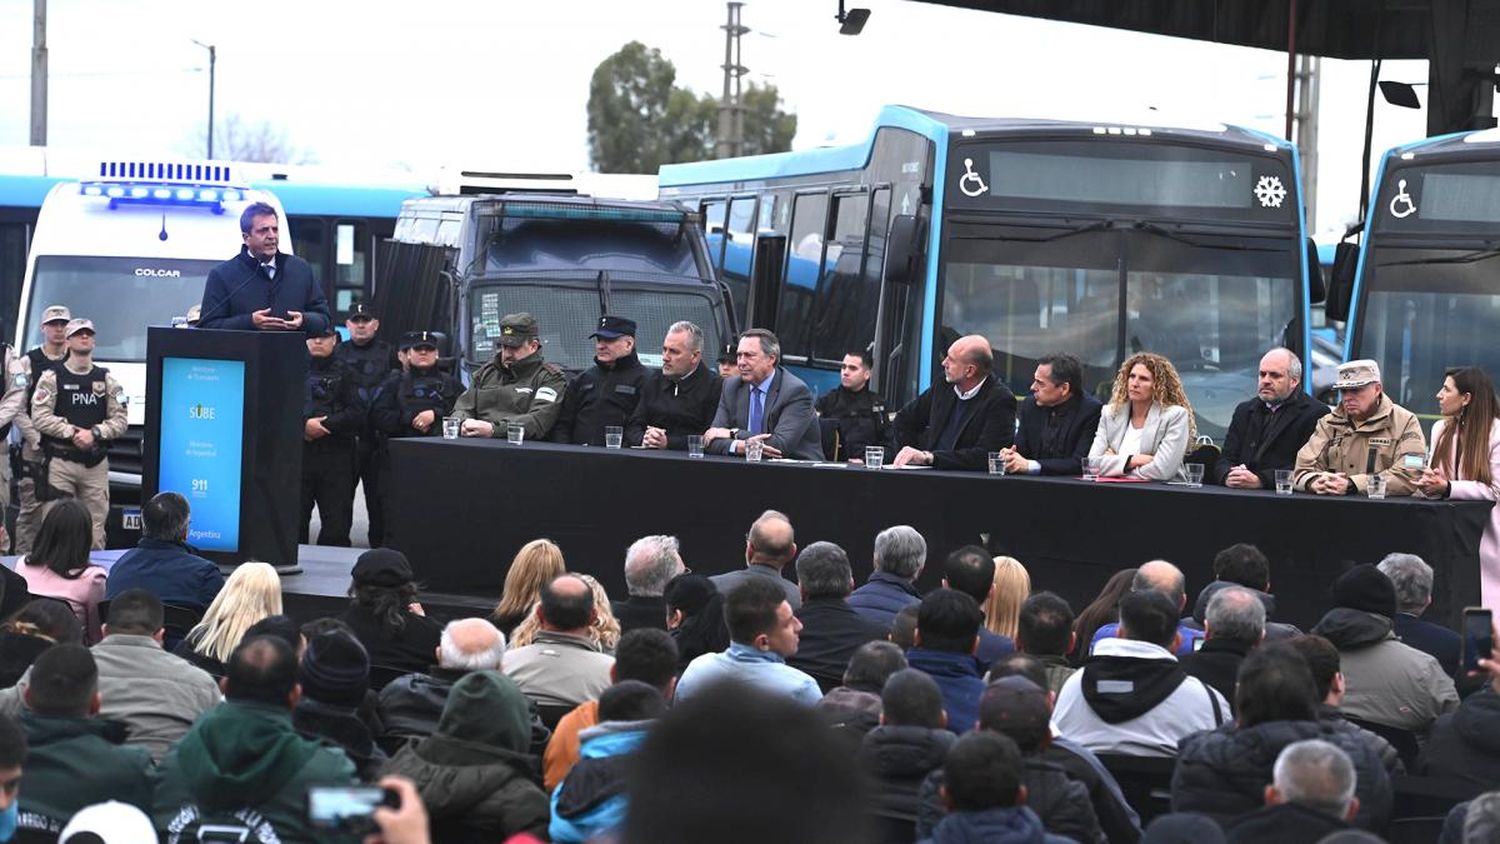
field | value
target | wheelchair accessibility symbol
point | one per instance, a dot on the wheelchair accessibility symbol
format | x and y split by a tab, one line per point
970	182
1401	204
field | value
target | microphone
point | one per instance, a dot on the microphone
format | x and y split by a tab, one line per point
228	297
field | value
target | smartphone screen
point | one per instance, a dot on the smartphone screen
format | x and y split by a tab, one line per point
347	809
1478	636
1413	462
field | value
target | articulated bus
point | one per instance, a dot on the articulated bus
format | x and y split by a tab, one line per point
1424	294
1044	236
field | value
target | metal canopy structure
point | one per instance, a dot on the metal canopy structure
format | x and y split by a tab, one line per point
1461	38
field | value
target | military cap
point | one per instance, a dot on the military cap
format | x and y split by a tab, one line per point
77	325
1357	373
56	313
611	327
413	339
516	329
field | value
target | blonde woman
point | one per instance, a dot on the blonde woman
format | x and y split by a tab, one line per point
250	594
1002	610
604	630
1145	429
537	563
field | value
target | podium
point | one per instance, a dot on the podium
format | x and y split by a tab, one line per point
224	430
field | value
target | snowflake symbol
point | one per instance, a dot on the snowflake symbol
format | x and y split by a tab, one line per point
1270	192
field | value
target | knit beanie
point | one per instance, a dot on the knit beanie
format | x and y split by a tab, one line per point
1366	588
335	670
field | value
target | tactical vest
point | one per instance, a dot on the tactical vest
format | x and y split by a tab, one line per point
83	400
39	363
425	392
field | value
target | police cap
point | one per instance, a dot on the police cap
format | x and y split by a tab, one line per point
612	327
328	331
419	339
516	329
362	310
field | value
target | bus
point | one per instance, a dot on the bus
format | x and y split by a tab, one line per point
1042	235
1420	292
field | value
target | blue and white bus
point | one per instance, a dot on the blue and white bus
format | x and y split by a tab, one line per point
1044	236
1424	294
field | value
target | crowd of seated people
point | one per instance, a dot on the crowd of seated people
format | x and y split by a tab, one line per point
978	710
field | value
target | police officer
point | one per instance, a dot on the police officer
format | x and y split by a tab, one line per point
729	364
77	408
859	411
333	415
413	403
370	360
54	349
606	393
517	386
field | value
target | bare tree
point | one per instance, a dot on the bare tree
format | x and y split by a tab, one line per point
239	140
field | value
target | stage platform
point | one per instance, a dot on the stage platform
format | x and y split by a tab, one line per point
322	587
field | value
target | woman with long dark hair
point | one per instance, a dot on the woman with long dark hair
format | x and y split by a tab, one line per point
387	618
1104	610
695	617
58	565
1465	460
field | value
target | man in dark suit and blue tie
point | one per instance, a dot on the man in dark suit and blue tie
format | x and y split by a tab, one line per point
766	404
263	289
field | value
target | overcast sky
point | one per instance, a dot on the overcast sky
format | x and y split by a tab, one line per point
418	85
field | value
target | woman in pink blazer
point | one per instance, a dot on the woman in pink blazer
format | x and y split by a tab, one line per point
1465	460
58	565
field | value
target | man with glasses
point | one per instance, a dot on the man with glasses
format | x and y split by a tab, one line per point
1366	435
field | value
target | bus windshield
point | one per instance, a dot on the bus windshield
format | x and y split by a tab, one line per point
1426	310
123	296
1212	308
567	315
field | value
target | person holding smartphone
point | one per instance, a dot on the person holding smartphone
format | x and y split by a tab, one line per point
1463	744
1465	460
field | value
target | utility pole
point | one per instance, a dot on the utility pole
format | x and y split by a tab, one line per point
212	60
1306	134
731	136
39	73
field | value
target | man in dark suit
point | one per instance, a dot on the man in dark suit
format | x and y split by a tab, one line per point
1413	579
766	403
956	424
1057	421
262	289
1267	431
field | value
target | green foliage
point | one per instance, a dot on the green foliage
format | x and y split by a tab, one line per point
639	119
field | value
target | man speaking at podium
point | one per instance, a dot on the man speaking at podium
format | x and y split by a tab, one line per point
262	289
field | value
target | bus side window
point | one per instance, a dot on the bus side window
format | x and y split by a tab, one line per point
794	318
713	231
850	290
739	243
351	263
310	243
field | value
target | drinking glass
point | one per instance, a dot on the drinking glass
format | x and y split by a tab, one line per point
515	433
1377	486
1194	474
1091	467
753	449
450	427
997	463
614	436
874	456
1283	481
695	445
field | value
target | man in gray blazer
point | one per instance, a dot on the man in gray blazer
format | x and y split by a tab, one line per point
765	403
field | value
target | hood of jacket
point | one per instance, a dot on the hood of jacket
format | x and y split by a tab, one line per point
42	730
488	708
1125	679
1015	825
1350	629
454	775
595	787
241	754
1200	607
1477	720
892	752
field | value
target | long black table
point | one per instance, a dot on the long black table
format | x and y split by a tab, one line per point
461	508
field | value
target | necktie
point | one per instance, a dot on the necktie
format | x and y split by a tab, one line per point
270	269
757	407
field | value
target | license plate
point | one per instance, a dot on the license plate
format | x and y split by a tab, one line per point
130	519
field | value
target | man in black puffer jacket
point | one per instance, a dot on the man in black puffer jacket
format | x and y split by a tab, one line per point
1223	773
1466	743
897	756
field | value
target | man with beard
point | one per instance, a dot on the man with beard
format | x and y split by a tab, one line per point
1267	430
518	386
957	424
681	399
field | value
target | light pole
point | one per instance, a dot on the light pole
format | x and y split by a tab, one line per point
212	57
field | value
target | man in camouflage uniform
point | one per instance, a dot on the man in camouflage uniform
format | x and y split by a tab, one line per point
518	386
1366	434
54	350
78	408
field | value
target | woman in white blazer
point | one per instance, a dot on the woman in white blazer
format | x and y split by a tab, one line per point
1465	461
1145	429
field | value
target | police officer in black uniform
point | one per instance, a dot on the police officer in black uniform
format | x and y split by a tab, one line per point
370	360
413	402
334	415
859	411
606	393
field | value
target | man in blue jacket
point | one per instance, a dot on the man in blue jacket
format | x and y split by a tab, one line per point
947	633
262	289
162	563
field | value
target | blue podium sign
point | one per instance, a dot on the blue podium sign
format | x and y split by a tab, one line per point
202	440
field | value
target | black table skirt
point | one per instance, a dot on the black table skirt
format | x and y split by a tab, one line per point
461	509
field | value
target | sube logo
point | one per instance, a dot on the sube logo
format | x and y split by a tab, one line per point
201	411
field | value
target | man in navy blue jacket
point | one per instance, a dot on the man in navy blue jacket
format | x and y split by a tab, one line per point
262	289
1057	421
162	563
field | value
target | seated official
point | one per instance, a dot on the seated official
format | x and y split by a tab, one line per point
1267	431
957	424
605	394
1145	429
1058	421
856	410
517	386
680	400
1368	434
766	403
